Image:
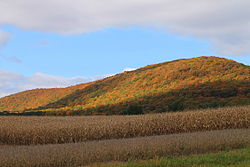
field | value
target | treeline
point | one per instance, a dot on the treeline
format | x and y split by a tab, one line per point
35	113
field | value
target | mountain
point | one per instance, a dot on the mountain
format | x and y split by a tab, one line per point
201	82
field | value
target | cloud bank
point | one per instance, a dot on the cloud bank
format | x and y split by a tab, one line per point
11	82
225	23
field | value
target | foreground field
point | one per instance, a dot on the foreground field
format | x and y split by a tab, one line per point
79	154
55	130
235	158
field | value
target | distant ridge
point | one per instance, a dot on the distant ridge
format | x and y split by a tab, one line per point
201	82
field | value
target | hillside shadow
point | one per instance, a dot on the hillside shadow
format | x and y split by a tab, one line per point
208	95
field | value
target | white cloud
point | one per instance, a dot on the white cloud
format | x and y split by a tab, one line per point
41	43
4	37
129	69
11	82
225	23
13	59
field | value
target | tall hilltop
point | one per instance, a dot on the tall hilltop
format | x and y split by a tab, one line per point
202	82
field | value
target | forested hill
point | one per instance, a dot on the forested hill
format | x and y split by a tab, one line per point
35	98
177	85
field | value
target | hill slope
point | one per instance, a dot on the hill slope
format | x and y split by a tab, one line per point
35	98
182	84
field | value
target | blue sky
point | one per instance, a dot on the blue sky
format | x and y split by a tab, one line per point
82	41
108	51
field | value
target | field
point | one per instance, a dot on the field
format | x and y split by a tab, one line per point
77	154
78	141
55	130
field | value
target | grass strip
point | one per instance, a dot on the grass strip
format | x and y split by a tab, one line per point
235	158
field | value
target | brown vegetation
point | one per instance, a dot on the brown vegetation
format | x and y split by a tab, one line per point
124	149
44	130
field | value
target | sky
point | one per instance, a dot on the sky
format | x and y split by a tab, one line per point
58	43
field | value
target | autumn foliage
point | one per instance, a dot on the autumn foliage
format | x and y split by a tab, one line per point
203	82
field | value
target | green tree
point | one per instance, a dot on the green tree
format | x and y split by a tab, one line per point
133	109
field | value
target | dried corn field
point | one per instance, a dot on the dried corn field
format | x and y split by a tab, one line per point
79	154
78	141
55	130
